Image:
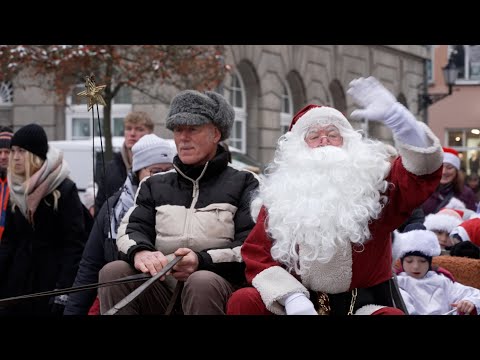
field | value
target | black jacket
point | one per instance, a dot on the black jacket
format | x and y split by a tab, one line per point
99	250
115	176
205	208
44	256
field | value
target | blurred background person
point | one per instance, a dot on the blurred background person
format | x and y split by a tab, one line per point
5	138
45	232
452	185
136	124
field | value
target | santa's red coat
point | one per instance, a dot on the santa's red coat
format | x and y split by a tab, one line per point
369	267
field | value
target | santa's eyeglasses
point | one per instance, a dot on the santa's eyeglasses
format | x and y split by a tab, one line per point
315	137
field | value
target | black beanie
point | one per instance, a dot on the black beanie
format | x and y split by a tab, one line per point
6	134
32	138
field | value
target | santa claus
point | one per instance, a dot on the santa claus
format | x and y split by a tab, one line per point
327	206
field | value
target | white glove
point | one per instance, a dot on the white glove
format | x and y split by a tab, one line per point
372	96
299	304
380	105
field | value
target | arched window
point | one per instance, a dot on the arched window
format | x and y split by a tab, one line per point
286	113
234	91
79	120
6	93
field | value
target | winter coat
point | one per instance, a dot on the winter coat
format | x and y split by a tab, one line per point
99	250
433	294
43	256
205	208
433	203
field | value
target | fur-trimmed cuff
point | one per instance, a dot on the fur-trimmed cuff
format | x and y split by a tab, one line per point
422	161
273	284
368	309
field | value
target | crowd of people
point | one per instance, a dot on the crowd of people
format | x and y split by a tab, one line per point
319	232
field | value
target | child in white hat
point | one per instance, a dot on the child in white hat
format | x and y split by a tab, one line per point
426	292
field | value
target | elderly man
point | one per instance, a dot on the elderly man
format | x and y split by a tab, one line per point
5	138
200	210
330	200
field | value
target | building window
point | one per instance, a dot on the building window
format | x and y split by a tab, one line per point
79	120
467	61
6	93
234	92
286	113
467	143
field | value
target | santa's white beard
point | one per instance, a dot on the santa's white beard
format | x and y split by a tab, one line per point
322	199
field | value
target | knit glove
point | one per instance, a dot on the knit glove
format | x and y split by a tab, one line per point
380	105
298	304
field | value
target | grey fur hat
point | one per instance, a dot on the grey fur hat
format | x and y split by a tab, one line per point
191	107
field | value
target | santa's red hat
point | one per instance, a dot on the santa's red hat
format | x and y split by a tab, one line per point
445	220
321	115
451	156
468	231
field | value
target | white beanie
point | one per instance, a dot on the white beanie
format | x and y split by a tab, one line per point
444	220
149	150
423	241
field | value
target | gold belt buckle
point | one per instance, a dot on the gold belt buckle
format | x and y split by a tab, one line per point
323	304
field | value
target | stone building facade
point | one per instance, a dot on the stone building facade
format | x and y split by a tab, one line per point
268	84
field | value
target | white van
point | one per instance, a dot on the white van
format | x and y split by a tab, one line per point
78	154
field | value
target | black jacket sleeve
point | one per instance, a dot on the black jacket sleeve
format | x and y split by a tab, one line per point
73	230
93	260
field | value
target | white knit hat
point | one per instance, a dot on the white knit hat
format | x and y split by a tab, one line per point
444	220
423	241
149	150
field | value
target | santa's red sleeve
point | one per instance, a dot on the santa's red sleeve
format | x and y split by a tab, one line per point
264	273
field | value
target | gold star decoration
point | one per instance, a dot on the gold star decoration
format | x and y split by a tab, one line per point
93	92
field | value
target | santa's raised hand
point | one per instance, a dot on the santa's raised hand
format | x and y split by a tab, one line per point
378	104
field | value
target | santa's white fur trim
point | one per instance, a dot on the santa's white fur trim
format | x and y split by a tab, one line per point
441	222
274	283
421	161
460	230
321	116
368	309
333	277
424	241
451	159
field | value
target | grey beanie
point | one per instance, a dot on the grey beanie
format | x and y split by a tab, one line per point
191	107
149	150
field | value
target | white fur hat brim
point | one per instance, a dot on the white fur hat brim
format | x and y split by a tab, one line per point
441	222
451	159
424	241
460	231
322	116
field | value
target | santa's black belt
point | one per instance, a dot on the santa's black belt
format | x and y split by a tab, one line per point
348	302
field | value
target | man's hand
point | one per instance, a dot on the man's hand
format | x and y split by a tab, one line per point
187	266
150	261
299	304
373	97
